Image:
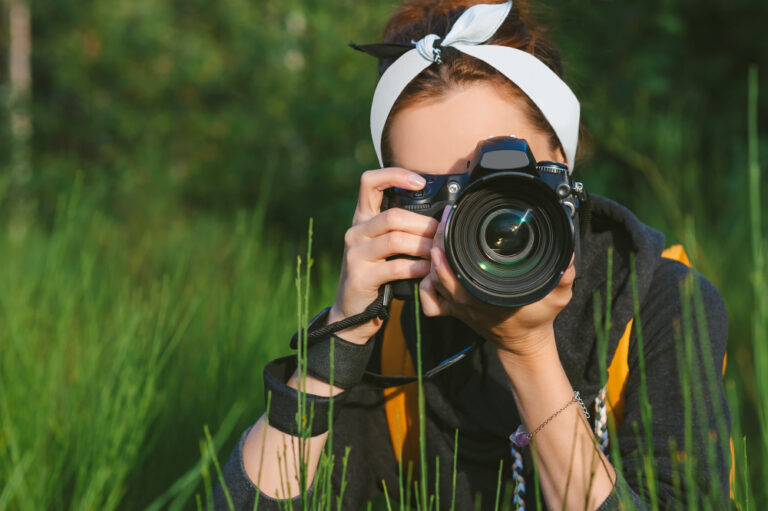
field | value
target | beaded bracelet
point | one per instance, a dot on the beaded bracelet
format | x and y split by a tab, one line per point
520	438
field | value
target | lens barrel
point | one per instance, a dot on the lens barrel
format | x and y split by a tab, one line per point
509	239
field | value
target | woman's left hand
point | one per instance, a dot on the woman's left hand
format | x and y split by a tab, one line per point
521	331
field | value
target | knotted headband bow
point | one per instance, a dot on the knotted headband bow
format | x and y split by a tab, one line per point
475	26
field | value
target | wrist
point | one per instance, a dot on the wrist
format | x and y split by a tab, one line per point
529	348
313	386
536	360
358	334
286	400
538	382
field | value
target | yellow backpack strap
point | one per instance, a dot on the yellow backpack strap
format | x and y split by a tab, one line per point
401	402
618	371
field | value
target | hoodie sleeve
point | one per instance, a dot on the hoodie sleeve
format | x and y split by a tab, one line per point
674	346
360	429
241	489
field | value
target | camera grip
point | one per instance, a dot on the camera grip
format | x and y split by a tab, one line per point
403	289
441	190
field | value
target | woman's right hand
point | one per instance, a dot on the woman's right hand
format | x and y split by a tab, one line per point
374	236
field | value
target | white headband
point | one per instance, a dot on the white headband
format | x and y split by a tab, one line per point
475	26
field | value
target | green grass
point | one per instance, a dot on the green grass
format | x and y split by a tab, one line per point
117	345
120	341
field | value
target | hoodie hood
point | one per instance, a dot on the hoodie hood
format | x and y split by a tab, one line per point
475	396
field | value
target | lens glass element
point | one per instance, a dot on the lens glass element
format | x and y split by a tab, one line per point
506	235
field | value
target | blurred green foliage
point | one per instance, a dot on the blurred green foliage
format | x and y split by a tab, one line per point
204	103
215	103
175	117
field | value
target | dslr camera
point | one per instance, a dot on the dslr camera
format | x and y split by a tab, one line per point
510	235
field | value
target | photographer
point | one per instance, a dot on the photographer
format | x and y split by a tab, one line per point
458	75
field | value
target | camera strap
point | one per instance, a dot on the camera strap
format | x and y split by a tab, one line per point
378	309
387	381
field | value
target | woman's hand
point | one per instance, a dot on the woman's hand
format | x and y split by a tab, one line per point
520	332
373	237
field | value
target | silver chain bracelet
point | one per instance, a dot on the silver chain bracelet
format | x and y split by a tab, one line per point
520	438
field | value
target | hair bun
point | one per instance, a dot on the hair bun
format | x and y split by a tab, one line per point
434	17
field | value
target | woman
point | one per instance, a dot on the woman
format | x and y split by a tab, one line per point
450	82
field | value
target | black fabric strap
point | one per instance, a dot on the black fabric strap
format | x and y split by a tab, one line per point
284	404
395	380
350	360
384	50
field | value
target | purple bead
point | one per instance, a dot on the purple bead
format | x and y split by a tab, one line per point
520	438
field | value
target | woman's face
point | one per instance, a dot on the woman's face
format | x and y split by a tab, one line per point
437	137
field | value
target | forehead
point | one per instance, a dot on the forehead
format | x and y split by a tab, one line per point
437	136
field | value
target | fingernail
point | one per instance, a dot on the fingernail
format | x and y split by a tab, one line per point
417	180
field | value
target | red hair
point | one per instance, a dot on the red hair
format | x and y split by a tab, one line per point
416	18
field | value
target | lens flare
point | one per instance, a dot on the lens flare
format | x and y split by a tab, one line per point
506	235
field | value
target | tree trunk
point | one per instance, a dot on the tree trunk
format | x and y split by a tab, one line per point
19	100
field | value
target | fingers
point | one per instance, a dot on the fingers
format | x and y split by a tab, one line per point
444	280
395	231
362	279
432	303
561	295
367	278
441	291
569	275
440	233
399	269
366	266
397	219
397	242
372	186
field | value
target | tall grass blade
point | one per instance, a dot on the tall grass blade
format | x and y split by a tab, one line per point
498	486
344	464
645	448
437	484
212	451
206	474
455	458
422	413
759	270
386	495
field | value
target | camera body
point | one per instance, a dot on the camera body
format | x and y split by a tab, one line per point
510	234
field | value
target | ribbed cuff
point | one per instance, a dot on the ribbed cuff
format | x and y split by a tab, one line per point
621	493
284	405
349	360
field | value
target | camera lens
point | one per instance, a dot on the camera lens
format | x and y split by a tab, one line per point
506	235
509	239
